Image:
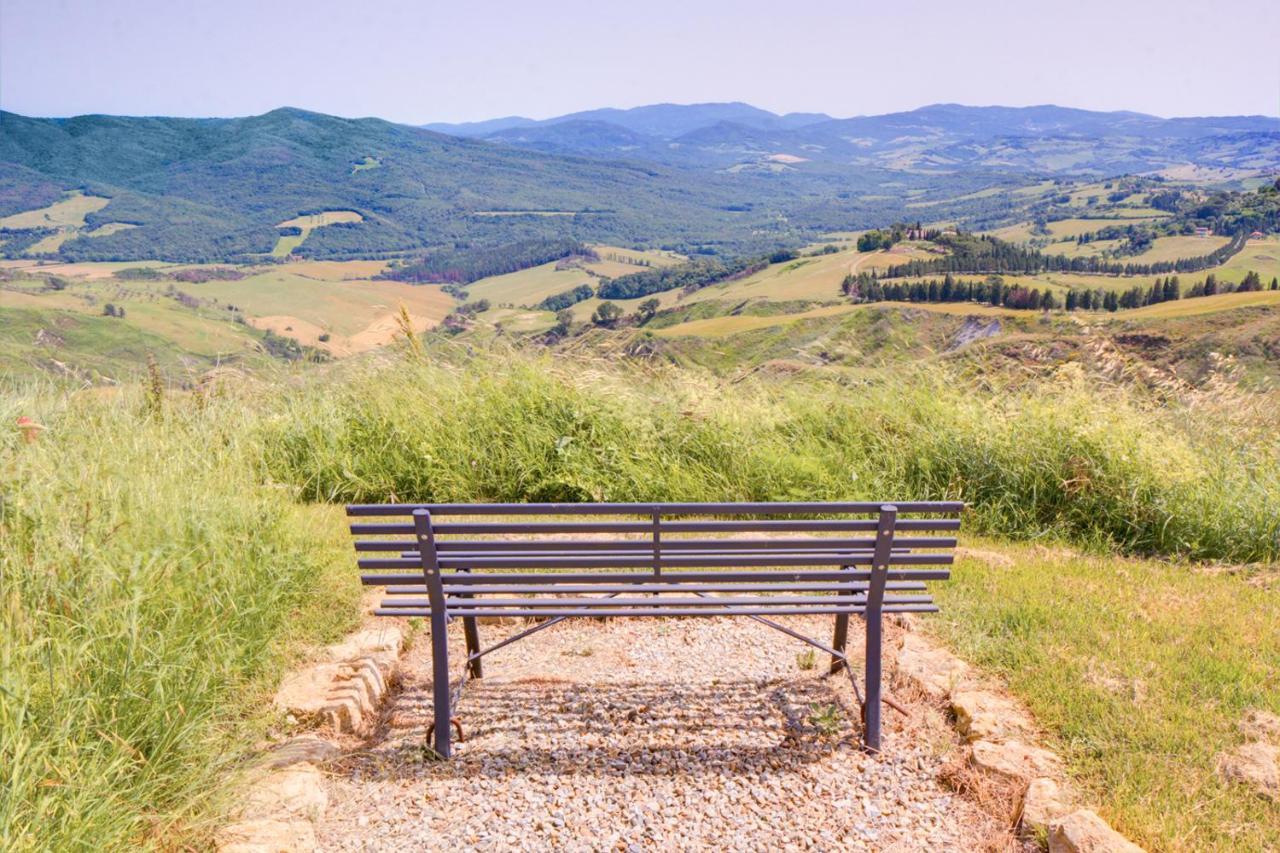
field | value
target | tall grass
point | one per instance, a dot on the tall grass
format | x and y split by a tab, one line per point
1061	460
149	584
156	564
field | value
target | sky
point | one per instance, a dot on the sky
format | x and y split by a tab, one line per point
418	61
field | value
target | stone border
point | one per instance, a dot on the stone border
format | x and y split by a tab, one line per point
339	695
1003	735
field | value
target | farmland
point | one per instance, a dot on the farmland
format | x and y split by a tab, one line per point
306	224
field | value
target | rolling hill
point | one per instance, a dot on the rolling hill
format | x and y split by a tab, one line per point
216	189
1042	139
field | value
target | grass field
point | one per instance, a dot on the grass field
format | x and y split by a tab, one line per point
358	314
719	327
1205	305
1174	248
308	223
67	213
153	591
202	333
154	587
530	286
1140	671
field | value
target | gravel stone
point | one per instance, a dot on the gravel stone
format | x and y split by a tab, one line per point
642	734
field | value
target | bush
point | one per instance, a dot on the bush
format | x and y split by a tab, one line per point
1107	472
147	591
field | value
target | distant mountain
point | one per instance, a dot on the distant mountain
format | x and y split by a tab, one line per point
206	189
1039	139
663	121
216	189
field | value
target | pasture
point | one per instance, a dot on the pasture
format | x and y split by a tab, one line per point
67	213
1175	248
357	314
1206	304
285	244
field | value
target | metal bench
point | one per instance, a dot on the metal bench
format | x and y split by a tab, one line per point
557	561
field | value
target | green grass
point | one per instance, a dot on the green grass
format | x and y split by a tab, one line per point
1057	459
1140	672
151	586
67	213
308	223
59	342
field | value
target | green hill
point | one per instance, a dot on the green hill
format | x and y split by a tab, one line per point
217	189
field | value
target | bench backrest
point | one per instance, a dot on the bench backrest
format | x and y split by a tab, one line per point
801	547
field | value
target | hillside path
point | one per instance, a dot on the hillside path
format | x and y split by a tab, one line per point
651	734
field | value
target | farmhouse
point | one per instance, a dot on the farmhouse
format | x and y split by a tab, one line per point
1204	232
1256	235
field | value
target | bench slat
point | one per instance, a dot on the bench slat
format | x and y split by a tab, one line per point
646	509
640	587
401	578
716	526
516	546
786	610
712	559
461	606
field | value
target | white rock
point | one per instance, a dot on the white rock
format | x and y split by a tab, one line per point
1084	832
296	791
982	715
936	671
1043	803
384	638
1015	760
267	836
307	748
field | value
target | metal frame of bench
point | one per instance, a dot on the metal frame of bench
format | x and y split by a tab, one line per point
841	574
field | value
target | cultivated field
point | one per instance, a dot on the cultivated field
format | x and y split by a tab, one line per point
308	223
68	213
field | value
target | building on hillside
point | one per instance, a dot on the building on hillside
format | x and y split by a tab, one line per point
1204	232
1256	235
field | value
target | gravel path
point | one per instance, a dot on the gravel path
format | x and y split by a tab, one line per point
643	734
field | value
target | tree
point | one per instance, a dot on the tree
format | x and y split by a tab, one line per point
647	309
606	314
564	322
1252	282
1275	282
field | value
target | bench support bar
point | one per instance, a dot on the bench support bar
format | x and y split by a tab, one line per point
874	618
439	633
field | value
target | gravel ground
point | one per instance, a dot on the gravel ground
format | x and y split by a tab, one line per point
642	734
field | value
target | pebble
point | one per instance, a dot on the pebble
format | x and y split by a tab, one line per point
672	733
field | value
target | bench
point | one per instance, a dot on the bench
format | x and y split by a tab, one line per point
552	562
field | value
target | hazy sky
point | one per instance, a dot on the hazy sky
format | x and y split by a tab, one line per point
463	60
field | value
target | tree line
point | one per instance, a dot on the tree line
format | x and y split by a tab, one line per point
560	301
984	254
690	276
463	265
993	290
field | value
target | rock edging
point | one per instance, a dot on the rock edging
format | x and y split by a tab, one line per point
1001	734
339	694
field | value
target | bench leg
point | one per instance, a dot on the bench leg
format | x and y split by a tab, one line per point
839	641
472	634
440	683
874	613
871	711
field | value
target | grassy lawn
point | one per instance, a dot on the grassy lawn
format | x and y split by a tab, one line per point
1139	670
